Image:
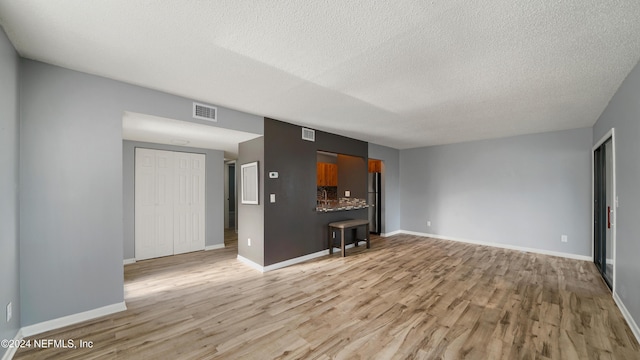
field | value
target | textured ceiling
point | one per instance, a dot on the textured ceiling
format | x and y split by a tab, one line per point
397	73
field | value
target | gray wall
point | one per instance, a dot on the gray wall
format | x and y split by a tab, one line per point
292	226
623	114
71	207
390	185
9	236
522	191
214	192
251	217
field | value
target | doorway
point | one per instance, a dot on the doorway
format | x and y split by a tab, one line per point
232	196
230	216
604	205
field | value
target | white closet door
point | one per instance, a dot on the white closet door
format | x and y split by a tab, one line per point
189	203
145	204
165	202
153	203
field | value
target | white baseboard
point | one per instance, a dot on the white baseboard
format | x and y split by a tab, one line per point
502	246
49	325
289	262
252	264
128	261
214	247
8	355
294	261
627	316
397	232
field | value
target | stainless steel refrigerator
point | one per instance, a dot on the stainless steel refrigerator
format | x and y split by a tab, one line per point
374	199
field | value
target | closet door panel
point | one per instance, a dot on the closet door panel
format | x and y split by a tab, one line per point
170	203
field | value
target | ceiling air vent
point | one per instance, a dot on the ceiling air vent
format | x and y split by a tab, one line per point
308	134
205	112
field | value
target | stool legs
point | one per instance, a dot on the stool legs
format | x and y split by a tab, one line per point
354	231
368	236
330	240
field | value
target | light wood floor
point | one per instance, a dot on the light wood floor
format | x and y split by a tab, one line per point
406	297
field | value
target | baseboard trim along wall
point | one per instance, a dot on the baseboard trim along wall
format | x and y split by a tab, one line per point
49	325
214	247
250	263
8	355
128	261
502	246
289	262
397	232
627	316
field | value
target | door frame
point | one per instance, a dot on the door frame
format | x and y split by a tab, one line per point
609	135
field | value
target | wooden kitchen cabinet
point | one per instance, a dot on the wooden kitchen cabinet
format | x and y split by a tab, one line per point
327	174
331	173
375	166
320	174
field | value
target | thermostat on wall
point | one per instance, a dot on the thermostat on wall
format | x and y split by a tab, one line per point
273	175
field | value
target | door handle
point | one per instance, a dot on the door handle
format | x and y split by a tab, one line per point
608	217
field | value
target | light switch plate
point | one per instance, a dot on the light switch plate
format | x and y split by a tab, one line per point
347	193
272	197
9	312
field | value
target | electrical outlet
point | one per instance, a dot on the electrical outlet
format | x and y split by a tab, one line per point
347	193
249	242
334	234
428	223
272	197
9	312
564	238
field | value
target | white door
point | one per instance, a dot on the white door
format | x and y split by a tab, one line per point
169	203
153	204
189	203
164	202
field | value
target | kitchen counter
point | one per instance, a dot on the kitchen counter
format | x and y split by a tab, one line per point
344	204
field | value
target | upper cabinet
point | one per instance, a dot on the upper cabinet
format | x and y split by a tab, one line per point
375	166
327	174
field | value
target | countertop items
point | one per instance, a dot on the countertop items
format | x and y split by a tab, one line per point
343	204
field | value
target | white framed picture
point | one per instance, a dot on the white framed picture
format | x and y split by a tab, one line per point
249	183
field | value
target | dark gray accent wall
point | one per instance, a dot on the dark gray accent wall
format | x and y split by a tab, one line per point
71	205
292	226
522	191
623	114
250	216
327	158
390	185
9	209
350	169
214	192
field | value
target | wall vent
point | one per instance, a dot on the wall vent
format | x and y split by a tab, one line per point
308	134
205	112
